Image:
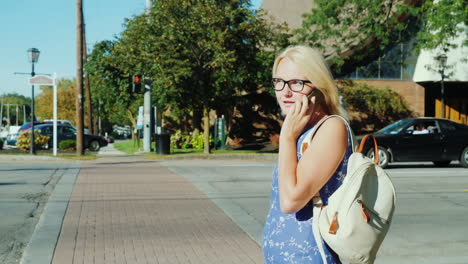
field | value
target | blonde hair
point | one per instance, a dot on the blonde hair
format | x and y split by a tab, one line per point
312	64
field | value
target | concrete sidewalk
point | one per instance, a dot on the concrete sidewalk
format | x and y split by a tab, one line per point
131	210
110	150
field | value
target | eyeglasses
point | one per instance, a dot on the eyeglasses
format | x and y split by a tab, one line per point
294	85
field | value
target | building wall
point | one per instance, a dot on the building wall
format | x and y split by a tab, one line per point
289	11
456	100
412	92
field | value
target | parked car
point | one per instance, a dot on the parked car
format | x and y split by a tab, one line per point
66	132
63	122
27	125
421	139
10	141
109	140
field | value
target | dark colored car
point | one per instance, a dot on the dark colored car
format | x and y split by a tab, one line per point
422	139
11	139
66	132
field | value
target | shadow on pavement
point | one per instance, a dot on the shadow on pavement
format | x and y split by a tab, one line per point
37	169
419	165
11	183
126	162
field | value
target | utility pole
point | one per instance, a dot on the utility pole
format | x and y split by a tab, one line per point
79	78
86	85
1	113
17	110
8	114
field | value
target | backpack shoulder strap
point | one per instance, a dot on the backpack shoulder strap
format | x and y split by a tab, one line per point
308	138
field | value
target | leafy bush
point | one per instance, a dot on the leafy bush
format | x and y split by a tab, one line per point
180	140
183	140
23	141
69	144
371	108
1	144
198	141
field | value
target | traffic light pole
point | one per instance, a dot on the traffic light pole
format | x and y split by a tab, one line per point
147	108
147	116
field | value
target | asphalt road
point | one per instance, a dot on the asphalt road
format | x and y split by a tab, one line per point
429	225
25	187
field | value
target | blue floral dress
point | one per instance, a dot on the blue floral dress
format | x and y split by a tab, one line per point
288	238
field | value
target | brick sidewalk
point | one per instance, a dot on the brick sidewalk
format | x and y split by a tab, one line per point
131	210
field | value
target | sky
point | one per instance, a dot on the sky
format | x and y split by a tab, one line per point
50	26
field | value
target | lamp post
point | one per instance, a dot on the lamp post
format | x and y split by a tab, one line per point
442	59
33	55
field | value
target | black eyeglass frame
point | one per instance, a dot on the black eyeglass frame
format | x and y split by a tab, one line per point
289	84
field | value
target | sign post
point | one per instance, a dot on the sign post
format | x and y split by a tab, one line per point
219	132
45	80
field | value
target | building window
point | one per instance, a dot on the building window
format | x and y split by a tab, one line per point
396	64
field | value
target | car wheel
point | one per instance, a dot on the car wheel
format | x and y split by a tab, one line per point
94	145
464	157
442	163
384	157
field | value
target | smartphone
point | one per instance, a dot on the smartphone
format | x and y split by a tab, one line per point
319	97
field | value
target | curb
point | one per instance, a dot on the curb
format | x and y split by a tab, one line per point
42	245
28	157
151	156
271	157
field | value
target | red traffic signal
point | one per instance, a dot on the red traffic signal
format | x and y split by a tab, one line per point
136	83
136	78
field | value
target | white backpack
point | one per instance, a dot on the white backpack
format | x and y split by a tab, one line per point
359	212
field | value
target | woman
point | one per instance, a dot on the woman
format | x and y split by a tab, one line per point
287	237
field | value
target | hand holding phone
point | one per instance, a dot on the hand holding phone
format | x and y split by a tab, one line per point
319	97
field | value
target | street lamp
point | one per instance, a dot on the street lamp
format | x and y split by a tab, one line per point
442	59
33	55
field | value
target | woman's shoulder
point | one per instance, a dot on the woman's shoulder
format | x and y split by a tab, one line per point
333	127
335	122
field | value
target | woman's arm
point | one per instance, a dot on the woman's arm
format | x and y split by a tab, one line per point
300	181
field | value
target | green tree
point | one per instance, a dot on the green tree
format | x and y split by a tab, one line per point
352	33
441	23
13	106
199	55
66	95
372	108
110	81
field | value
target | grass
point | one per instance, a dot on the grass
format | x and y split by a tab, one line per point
63	156
131	147
87	156
70	155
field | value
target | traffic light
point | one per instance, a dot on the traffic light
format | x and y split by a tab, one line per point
136	83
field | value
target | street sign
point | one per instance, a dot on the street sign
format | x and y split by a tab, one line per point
140	118
41	80
45	80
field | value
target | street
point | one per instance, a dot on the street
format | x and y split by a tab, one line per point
25	188
429	225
